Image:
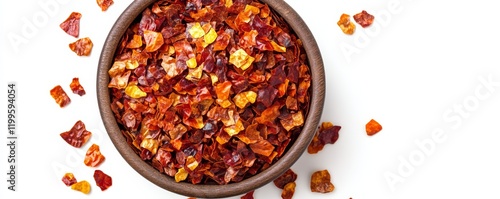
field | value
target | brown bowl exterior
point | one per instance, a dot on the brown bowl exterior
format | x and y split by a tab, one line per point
200	190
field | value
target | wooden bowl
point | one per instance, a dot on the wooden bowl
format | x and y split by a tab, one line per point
294	151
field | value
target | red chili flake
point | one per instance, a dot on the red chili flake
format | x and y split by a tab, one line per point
102	180
76	87
60	96
104	4
77	136
288	190
93	157
248	195
69	179
72	24
321	182
346	25
82	47
212	110
327	134
364	19
285	178
372	127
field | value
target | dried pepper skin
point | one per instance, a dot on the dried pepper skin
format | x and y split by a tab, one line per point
210	92
60	96
82	47
77	136
69	179
104	4
76	87
102	180
248	195
364	19
82	186
321	182
327	134
372	127
93	157
288	190
72	24
346	25
287	177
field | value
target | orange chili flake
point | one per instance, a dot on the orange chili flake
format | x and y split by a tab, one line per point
60	96
288	190
372	127
364	19
69	179
321	182
346	25
82	47
154	40
93	157
72	24
76	87
104	4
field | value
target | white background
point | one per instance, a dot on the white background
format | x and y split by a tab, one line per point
414	70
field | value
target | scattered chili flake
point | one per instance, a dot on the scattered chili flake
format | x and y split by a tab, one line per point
104	4
77	136
72	24
102	180
372	127
248	195
288	190
69	179
82	47
321	182
60	96
93	157
285	178
82	186
364	19
327	134
210	92
346	25
76	87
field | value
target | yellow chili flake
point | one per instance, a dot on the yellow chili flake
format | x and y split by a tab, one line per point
243	98
210	37
241	59
195	73
229	3
150	144
191	163
223	103
181	175
191	63
235	129
277	47
82	186
131	64
196	31
214	78
346	25
117	68
134	91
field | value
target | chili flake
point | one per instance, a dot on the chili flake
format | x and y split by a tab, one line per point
288	190
285	178
77	136
321	182
364	19
76	87
241	59
72	24
82	47
82	186
327	134
102	180
104	4
69	179
372	127
346	25
60	96
248	195
93	157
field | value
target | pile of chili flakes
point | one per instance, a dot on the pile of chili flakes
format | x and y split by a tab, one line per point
210	91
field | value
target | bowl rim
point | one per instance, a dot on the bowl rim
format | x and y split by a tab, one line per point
201	190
